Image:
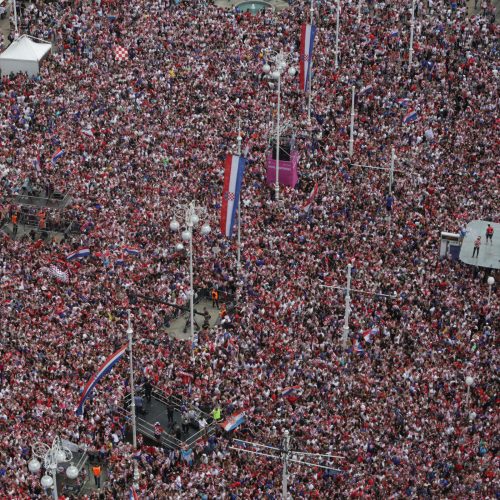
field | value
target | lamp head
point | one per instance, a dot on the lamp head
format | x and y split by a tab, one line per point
34	465
72	472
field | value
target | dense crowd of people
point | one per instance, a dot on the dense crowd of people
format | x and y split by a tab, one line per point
149	132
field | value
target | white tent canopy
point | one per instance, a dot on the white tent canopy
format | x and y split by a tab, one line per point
24	55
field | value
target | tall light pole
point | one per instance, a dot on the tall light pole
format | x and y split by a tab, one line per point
191	214
347	308
337	36
491	282
286	455
309	65
412	28
238	257
351	134
51	457
130	332
286	451
391	170
469	381
14	6
280	60
132	390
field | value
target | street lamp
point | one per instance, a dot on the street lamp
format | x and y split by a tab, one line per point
491	282
280	61
191	215
51	456
469	381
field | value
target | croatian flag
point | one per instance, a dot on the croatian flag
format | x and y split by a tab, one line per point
133	494
57	155
367	334
233	176
103	370
306	50
288	391
234	421
410	117
308	204
132	251
78	254
404	102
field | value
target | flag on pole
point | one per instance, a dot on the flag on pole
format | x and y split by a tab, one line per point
121	53
234	421
306	49
103	370
78	254
60	152
233	176
307	205
410	117
403	102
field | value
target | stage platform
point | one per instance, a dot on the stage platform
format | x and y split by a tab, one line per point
489	255
156	411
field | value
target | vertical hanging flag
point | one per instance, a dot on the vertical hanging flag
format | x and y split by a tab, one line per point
103	370
233	175
306	50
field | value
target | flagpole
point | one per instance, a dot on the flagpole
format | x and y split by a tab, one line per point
310	69
347	310
238	259
337	36
359	11
412	27
277	187
15	18
286	451
391	170
132	391
351	138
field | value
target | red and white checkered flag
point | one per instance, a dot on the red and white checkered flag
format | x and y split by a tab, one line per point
121	53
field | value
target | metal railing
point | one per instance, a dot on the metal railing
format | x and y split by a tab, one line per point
168	440
55	200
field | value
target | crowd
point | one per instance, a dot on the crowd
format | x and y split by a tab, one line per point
144	134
